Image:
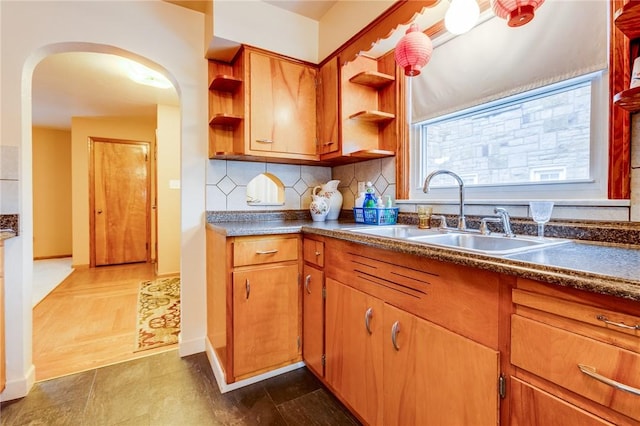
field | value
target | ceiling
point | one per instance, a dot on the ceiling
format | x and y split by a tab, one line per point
78	84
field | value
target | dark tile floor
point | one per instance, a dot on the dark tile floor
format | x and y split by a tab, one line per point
165	389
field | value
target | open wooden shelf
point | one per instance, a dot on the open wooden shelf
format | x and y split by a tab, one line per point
628	99
225	83
627	19
372	79
225	120
373	116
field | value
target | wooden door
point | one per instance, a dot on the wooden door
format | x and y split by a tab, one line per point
313	319
435	377
120	197
283	106
353	352
328	141
265	318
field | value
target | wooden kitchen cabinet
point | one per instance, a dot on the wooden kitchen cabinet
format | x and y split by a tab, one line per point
313	305
369	99
435	377
627	20
387	361
262	106
3	373
354	344
328	112
282	106
265	318
226	108
565	344
253	302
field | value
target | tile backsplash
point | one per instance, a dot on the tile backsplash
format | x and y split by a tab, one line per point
9	182
227	182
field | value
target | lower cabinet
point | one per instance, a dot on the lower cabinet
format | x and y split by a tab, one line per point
253	303
577	357
265	318
394	368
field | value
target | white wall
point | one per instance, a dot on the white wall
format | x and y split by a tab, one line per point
162	35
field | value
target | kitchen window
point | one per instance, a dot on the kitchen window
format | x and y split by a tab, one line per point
549	140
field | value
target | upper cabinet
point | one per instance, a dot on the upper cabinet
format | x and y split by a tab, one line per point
226	108
366	93
262	106
282	107
627	20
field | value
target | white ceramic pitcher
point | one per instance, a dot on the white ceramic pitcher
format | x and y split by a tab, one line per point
330	191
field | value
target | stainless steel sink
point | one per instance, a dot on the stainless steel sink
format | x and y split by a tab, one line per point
487	244
466	241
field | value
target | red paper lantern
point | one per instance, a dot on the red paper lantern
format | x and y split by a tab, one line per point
516	12
413	51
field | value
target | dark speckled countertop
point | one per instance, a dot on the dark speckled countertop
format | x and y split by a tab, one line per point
8	226
611	269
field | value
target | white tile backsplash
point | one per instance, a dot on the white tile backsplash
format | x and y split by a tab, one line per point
227	184
9	191
9	160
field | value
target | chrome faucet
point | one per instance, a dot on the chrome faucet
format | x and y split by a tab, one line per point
462	223
506	221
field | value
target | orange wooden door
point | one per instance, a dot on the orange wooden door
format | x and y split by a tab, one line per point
313	319
120	202
265	319
435	377
354	349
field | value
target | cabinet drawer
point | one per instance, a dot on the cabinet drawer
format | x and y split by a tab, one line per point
532	406
313	252
606	325
257	251
556	355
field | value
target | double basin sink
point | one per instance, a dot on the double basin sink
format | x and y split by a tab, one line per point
494	244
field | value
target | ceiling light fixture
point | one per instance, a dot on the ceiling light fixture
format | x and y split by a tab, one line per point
145	75
461	16
413	51
516	12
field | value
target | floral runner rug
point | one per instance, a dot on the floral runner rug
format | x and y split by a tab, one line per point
158	319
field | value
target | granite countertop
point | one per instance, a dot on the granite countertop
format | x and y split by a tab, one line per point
611	269
8	226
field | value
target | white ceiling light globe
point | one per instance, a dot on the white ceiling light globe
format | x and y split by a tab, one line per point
461	16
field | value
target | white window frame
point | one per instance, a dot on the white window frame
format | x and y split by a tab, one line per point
594	188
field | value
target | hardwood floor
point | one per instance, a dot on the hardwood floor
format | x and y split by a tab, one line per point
89	321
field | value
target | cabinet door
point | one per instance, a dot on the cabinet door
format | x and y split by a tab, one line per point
328	108
265	318
3	376
531	406
313	319
353	351
283	106
435	377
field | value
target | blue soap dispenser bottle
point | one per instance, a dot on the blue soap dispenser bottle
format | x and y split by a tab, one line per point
369	197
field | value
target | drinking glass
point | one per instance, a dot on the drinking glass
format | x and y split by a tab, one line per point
541	213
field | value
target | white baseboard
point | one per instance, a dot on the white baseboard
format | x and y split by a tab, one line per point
219	374
15	389
190	347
